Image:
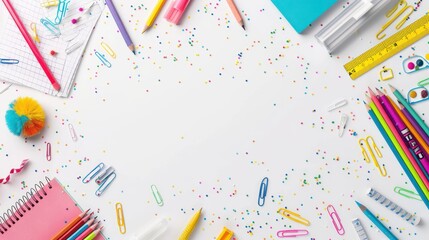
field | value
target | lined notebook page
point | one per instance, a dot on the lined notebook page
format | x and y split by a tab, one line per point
64	66
47	217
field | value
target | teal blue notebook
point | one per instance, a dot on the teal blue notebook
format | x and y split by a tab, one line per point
301	13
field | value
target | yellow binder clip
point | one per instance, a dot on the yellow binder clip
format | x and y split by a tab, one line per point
293	216
380	35
371	148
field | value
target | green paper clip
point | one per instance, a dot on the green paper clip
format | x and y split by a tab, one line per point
157	195
407	193
423	82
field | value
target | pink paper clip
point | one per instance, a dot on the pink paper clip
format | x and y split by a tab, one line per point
48	152
292	233
176	10
335	220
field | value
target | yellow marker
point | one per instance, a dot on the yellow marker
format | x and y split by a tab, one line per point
226	234
388	48
153	15
191	225
293	216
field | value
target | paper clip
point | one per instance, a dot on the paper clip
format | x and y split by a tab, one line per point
108	49
292	233
73	47
104	175
380	35
49	3
61	11
226	234
365	142
387	71
423	82
34	32
8	61
407	193
93	173
72	132
103	59
263	192
335	220
120	218
343	124
50	26
337	105
48	152
359	229
105	184
293	216
157	195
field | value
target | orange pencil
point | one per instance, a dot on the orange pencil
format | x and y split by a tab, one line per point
236	13
75	227
69	225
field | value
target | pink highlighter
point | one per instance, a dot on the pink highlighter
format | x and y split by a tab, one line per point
176	10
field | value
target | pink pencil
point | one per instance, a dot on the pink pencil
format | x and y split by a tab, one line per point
31	44
399	138
236	13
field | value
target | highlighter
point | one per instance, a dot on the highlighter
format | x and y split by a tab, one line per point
176	10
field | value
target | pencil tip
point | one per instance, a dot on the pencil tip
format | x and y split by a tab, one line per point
145	29
243	27
392	88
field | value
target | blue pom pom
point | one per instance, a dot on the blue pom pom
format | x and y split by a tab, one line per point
14	122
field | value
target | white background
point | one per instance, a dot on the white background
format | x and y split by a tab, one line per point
205	111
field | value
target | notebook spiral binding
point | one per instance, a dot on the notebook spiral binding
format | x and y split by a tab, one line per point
24	204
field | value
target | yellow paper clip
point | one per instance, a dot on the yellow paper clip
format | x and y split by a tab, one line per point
380	35
108	49
366	143
120	218
34	34
293	216
49	3
386	74
226	234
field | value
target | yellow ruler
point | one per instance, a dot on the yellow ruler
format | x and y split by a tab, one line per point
389	47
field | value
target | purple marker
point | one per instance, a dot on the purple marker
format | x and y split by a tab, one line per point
414	123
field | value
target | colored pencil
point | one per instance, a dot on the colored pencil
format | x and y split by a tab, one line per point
236	13
396	139
69	225
191	225
81	229
121	25
377	222
31	44
414	123
88	231
75	227
413	113
154	15
94	234
388	137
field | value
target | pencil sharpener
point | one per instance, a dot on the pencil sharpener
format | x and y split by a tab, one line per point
414	64
417	95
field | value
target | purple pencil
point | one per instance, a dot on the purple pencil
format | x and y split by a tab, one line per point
405	132
121	26
414	123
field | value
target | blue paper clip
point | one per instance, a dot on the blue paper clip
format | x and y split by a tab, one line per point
104	175
93	173
50	26
8	61
263	191
105	184
103	59
61	11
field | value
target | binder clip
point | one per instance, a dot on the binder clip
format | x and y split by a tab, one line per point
386	74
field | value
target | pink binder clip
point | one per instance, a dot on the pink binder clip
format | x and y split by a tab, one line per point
335	220
291	233
176	10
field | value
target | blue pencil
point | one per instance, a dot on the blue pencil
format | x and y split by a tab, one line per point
398	157
377	222
81	229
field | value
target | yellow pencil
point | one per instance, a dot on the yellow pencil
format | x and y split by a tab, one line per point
153	15
191	225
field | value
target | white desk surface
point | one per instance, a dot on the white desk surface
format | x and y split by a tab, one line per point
205	111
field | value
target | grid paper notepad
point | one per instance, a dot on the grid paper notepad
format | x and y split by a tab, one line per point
64	66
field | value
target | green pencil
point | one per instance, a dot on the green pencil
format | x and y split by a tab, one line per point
399	149
410	109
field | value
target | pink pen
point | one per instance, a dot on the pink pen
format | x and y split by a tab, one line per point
291	233
176	10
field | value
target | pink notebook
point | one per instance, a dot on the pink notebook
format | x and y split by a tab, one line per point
45	218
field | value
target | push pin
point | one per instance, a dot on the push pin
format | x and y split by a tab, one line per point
53	53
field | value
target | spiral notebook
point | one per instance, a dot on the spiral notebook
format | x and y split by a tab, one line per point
51	207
